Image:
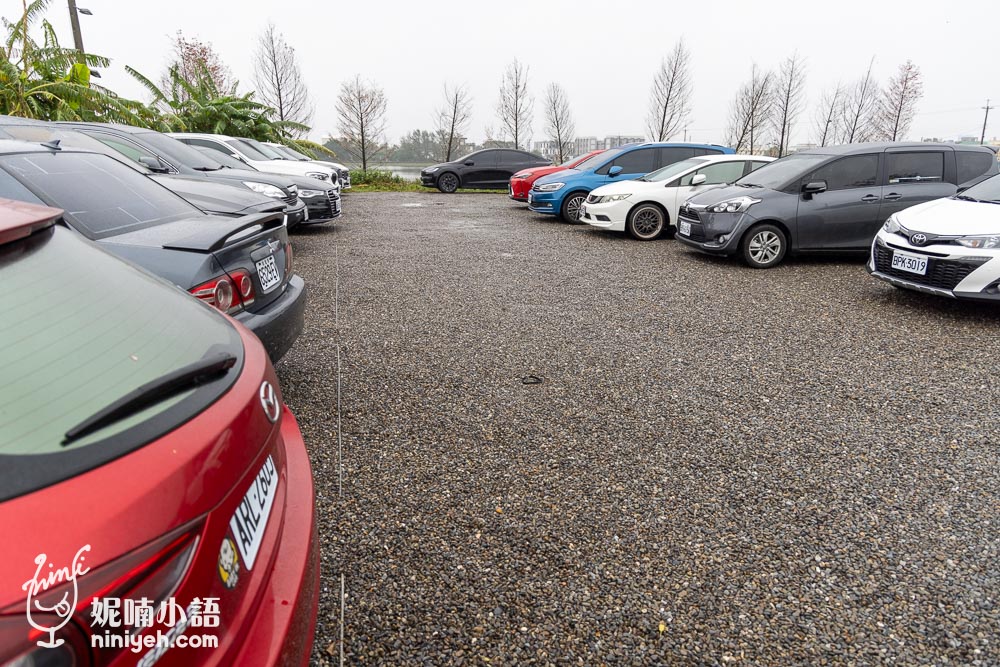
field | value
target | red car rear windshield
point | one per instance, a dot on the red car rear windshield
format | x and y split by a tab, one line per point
80	330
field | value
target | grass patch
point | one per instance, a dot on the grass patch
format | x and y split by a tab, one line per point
382	180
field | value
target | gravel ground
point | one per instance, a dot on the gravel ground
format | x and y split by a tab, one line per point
720	465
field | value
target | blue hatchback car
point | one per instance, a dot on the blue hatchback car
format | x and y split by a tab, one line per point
563	192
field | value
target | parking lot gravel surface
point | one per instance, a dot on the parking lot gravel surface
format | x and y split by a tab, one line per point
718	466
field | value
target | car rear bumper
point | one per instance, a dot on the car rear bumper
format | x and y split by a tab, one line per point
282	631
280	323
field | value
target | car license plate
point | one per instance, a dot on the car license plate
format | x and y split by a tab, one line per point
267	271
685	228
531	200
583	210
250	519
905	261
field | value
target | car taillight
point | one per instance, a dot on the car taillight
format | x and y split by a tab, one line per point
288	259
148	575
228	293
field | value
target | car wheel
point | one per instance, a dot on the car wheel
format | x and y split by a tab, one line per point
571	206
764	247
645	222
447	182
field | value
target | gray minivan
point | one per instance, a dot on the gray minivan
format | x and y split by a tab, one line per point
831	199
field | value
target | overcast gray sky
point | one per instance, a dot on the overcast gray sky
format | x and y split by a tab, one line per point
603	53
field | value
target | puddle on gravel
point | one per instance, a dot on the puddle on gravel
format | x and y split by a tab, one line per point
412	205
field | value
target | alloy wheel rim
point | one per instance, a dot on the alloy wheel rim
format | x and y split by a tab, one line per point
448	182
573	207
646	222
764	247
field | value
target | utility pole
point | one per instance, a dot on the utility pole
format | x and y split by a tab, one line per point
982	137
74	19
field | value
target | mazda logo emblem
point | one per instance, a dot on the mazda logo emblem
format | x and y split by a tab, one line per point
918	239
269	401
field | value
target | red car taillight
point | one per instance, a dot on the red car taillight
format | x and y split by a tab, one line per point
288	259
227	293
150	574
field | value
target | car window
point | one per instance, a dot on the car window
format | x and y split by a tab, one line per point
672	170
722	172
246	149
988	190
639	161
786	171
675	154
973	164
101	196
204	143
130	150
82	329
599	159
483	158
11	188
855	171
915	167
509	158
225	159
755	164
178	152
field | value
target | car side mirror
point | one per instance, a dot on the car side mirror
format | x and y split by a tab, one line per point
615	170
470	163
153	164
813	188
698	179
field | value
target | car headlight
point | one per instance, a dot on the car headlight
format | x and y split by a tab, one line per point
521	177
549	187
431	170
737	205
891	225
311	193
318	174
265	189
979	241
604	199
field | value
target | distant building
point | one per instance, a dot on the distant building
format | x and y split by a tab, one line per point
614	141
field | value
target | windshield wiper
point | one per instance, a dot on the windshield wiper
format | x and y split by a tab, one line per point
966	198
190	376
207	168
749	185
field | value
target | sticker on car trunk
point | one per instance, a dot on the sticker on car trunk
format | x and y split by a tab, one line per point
250	519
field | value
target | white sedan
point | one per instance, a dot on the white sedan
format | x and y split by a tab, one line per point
948	247
646	206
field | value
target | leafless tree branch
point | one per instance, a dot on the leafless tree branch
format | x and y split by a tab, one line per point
515	109
361	109
860	109
453	119
789	87
670	98
559	126
899	102
750	112
278	78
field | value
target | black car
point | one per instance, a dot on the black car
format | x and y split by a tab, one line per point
164	154
211	196
241	266
831	199
323	202
489	169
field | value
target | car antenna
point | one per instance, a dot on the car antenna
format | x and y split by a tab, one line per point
53	144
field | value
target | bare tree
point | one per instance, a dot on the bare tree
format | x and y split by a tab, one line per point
194	58
361	108
899	102
788	99
670	98
860	109
516	107
750	112
559	126
453	119
278	78
828	116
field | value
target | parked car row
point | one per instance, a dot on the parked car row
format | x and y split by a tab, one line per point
936	205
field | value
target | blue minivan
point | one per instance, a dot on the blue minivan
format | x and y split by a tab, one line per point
563	192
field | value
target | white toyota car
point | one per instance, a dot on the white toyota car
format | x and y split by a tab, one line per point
243	151
949	247
646	206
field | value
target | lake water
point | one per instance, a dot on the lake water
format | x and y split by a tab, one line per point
410	172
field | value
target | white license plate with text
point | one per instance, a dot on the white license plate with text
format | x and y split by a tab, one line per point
267	271
685	228
250	519
906	261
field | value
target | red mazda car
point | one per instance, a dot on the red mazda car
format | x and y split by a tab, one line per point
156	499
521	182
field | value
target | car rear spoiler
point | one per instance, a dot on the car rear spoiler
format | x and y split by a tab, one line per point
212	238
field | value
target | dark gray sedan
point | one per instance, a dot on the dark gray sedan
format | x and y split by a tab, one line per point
241	266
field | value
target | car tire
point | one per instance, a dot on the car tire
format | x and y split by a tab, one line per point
646	222
571	206
764	246
448	182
